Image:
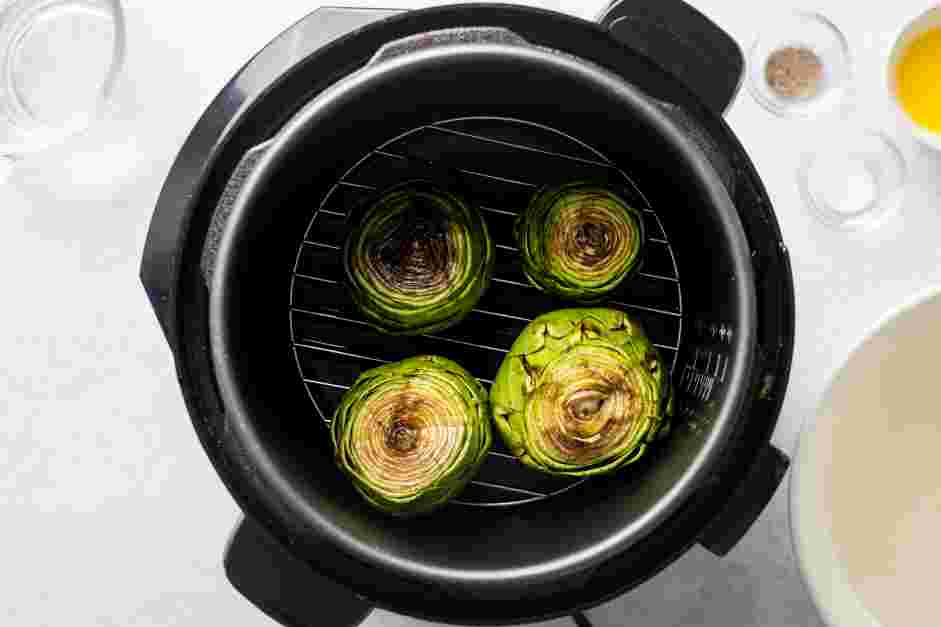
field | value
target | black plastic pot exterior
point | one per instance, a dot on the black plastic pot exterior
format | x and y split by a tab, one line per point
468	565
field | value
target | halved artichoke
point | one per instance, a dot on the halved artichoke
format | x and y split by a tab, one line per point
582	392
411	434
580	240
418	259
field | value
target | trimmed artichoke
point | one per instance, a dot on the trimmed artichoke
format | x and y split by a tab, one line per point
418	259
411	434
580	240
582	392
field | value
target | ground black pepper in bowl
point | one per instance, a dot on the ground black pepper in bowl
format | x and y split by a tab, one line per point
800	65
794	72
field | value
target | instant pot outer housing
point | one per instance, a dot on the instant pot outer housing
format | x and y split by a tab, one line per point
240	265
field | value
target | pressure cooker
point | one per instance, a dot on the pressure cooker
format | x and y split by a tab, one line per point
242	268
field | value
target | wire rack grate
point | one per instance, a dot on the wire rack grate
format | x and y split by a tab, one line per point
502	161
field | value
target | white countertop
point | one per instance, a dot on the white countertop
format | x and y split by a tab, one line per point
111	513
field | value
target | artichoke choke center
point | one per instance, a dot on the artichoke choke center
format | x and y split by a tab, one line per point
593	240
402	437
417	252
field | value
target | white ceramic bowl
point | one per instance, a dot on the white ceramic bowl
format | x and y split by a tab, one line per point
926	21
912	327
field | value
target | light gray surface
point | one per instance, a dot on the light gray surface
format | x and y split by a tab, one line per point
111	513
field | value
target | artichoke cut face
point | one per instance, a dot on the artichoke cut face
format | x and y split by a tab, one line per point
418	259
411	435
582	392
580	240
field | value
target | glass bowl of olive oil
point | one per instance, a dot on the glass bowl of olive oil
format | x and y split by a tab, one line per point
914	76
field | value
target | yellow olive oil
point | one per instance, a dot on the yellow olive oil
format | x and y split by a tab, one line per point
918	80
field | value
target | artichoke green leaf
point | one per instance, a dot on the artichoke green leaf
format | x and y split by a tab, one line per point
581	392
411	434
580	240
417	259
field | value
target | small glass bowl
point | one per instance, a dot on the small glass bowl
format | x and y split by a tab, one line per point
59	63
854	181
816	33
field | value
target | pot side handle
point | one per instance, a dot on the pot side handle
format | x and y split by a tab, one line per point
285	588
746	502
684	42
